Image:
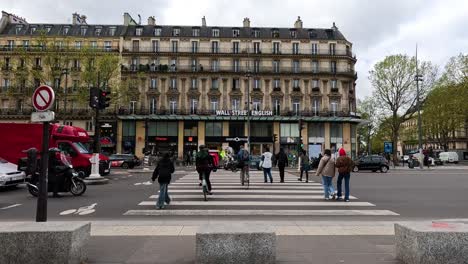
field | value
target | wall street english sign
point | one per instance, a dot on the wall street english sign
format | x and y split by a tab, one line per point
243	113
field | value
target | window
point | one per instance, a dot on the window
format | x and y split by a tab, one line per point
175	32
83	31
112	31
89	125
136	45
316	105
172	106
256	66
97	31
214	105
293	33
6	83
257	47
314	48
334	106
257	83
315	83
235	33
76	64
276	66
93	44
289	130
276	83
162	128
155	45
275	33
215	65
194	65
22	63
277	106
173	83
276	48
257	104
235	104
193	106
175	46
262	129
33	29
25	44
214	46
235	47
153	83
236	65
48	28
316	132
296	66
195	32
38	62
296	107
215	83
78	44
256	33
333	84
75	85
333	66
296	83
194	46
213	129
18	29
157	32
138	31
295	48
173	64
336	133
194	83
152	105
235	84
11	44
332	48
315	66
215	33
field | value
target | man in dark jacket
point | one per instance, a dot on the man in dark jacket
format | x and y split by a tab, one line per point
205	164
282	161
163	173
345	166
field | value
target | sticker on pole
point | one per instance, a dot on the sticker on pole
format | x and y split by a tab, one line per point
43	98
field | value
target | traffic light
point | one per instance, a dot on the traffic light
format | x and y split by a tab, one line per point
104	99
94	98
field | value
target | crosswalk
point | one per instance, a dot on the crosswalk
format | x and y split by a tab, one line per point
291	198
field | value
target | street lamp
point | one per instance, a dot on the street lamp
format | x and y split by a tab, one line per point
248	75
418	78
65	72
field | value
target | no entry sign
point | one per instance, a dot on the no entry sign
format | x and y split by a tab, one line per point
43	98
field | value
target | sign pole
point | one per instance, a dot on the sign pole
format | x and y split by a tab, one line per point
41	213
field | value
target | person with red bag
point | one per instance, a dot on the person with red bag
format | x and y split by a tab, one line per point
344	164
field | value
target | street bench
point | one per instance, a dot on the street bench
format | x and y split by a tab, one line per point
235	243
39	243
432	243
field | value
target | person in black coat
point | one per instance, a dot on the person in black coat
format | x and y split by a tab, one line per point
163	173
282	161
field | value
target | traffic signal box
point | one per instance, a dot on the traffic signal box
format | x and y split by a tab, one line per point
98	98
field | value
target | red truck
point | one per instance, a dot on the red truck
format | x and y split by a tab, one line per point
17	137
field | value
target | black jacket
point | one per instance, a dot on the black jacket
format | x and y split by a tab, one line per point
163	171
204	162
282	159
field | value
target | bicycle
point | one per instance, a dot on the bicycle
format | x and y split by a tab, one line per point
245	176
204	187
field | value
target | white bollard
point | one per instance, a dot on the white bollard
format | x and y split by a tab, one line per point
94	166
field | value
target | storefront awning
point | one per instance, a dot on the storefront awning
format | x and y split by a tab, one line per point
241	118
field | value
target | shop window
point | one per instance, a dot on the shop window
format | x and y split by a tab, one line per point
128	136
261	129
289	130
236	129
162	129
336	135
214	129
190	129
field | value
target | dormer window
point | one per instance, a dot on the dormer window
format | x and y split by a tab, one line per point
195	32
175	32
18	29
112	31
33	29
215	33
83	31
235	33
256	33
97	31
275	33
138	31
48	28
293	33
157	31
312	34
65	30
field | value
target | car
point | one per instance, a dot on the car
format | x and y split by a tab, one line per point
449	157
9	174
125	161
371	162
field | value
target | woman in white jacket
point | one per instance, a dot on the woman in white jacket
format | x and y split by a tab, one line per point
267	164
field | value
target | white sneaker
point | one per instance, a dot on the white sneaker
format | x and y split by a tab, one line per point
327	199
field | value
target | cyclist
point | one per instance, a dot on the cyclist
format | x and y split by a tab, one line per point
243	157
205	164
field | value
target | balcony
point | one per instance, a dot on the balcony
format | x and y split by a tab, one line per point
37	67
76	69
276	89
316	89
39	48
334	90
296	89
7	68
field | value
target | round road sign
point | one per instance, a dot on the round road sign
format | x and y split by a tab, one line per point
43	98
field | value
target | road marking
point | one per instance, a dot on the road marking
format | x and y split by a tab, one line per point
240	187
10	206
222	183
247	196
244	190
263	212
85	210
261	203
143	183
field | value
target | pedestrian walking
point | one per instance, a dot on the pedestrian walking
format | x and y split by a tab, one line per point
305	165
205	164
282	161
344	164
326	169
243	158
163	172
267	164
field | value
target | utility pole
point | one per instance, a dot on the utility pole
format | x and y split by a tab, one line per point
418	78
65	71
97	146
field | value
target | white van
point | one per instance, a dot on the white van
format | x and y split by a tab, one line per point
448	157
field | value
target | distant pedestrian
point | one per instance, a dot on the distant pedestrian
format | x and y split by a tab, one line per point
305	165
163	173
243	159
344	164
326	169
282	161
267	164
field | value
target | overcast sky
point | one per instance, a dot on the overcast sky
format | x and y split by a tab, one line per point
376	28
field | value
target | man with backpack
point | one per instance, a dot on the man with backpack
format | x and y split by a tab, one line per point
243	157
205	164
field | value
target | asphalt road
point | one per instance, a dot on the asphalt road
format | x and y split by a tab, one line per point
411	194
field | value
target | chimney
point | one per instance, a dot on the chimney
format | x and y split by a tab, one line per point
334	27
127	19
203	21
76	18
151	21
246	22
83	20
298	23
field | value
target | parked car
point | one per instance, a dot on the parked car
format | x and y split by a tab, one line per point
449	157
124	161
9	174
371	162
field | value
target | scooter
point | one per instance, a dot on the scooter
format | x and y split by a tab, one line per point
69	179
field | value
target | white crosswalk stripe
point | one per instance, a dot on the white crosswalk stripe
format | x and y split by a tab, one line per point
292	198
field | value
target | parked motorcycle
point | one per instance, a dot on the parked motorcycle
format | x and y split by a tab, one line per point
231	164
69	180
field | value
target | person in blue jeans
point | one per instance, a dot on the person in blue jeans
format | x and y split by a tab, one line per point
267	164
326	169
163	172
344	164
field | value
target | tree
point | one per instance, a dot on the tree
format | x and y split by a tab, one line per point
368	111
395	89
456	70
